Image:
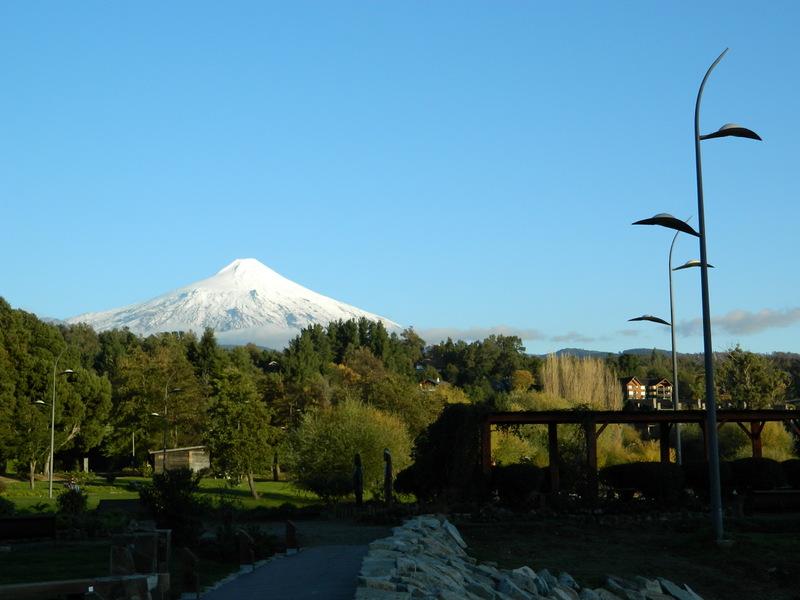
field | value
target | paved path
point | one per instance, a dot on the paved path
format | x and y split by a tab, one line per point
318	573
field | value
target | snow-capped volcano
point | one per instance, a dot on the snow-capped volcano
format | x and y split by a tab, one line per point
246	302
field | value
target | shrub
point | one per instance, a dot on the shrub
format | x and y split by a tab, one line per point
696	476
654	480
174	502
756	473
3	487
792	469
6	507
447	458
517	484
321	450
72	502
330	487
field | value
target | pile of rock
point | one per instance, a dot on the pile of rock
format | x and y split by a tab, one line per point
426	559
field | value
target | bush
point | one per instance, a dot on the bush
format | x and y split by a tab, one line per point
792	469
654	480
72	502
3	487
174	502
330	487
6	507
517	484
696	477
447	458
756	473
322	449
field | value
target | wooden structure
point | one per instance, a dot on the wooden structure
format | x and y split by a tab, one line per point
595	422
195	458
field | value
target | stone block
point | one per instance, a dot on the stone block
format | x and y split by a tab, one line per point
564	592
507	587
675	591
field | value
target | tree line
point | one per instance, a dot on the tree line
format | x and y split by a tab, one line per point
349	387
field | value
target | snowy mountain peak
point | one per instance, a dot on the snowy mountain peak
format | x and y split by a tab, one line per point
248	269
246	273
246	302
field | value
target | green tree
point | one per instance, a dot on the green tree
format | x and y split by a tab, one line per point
206	357
145	378
241	437
447	458
174	501
322	448
748	380
628	365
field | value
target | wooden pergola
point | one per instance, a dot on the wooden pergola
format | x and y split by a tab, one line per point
595	422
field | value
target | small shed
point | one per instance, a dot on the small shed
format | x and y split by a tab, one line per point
195	458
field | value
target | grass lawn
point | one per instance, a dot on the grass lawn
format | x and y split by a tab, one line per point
272	493
52	561
63	560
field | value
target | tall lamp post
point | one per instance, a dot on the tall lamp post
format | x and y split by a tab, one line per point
729	130
53	418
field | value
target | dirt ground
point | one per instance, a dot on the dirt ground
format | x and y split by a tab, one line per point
760	560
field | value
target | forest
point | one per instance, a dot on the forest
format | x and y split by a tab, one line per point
350	387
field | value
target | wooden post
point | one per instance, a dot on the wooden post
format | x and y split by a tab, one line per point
663	441
755	437
291	536
589	427
247	555
190	580
555	461
387	477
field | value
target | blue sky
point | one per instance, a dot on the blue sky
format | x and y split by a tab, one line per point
465	168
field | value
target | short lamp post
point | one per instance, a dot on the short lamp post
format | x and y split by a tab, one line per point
163	417
671	222
53	419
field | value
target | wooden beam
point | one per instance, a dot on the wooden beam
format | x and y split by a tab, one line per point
555	460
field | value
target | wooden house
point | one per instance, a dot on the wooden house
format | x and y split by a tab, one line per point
195	458
655	394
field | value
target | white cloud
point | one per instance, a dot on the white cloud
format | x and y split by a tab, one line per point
571	338
743	322
435	336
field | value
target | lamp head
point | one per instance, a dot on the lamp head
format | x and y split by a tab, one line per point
650	318
670	222
691	263
732	130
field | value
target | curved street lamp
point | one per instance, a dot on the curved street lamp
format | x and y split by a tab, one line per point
729	130
163	417
652	319
53	418
667	220
670	222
